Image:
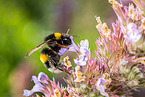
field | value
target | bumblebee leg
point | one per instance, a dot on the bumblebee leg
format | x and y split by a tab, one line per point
56	65
60	68
62	46
53	62
52	50
64	70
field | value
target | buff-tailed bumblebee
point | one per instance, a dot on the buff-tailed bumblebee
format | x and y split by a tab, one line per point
58	44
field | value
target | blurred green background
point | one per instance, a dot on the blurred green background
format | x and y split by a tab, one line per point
25	23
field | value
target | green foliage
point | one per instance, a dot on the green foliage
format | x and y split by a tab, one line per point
25	23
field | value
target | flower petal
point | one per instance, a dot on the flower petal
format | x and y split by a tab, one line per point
133	38
43	78
133	34
62	51
36	88
73	47
131	26
80	62
84	43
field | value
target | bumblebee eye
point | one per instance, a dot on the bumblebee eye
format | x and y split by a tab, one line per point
66	41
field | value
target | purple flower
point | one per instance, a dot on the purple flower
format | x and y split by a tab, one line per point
84	52
131	26
40	85
73	47
43	78
62	51
133	34
81	60
101	86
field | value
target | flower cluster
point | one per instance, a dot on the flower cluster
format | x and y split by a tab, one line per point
119	65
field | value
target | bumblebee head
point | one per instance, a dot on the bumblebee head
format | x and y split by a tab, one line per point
66	40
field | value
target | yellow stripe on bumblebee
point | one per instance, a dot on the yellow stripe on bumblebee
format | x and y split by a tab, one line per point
57	36
44	58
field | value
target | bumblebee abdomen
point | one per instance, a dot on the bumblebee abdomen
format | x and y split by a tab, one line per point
49	58
44	58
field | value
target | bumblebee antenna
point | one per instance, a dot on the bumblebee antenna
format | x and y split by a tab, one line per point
75	36
67	31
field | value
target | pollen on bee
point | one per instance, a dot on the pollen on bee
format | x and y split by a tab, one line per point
44	58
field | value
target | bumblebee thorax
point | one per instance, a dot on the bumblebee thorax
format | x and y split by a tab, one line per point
57	36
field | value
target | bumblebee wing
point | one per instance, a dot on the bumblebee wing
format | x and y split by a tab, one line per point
36	48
